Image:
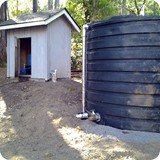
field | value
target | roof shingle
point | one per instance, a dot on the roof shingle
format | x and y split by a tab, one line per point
35	17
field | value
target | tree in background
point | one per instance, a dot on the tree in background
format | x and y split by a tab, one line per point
137	7
152	8
3	17
50	4
18	7
35	6
56	4
85	11
131	6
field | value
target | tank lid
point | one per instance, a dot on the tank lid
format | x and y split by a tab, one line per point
122	19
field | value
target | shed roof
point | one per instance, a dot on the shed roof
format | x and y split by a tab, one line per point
38	19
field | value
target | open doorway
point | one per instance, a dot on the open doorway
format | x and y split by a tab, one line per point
24	57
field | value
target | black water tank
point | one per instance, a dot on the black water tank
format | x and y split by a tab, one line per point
123	71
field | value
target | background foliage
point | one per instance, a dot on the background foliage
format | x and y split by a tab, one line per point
85	11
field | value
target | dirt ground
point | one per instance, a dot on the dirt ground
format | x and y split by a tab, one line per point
37	122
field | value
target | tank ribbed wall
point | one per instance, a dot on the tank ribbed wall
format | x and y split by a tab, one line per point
123	72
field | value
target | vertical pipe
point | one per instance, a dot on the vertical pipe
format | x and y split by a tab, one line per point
84	66
8	54
142	10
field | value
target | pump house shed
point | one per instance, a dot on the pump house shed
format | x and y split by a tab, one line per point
39	43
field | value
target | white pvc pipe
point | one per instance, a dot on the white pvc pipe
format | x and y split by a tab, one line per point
84	68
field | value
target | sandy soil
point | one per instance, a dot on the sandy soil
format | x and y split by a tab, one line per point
37	122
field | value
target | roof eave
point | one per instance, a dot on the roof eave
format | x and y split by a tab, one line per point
42	23
22	25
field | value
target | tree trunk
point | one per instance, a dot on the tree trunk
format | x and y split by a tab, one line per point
3	17
123	7
94	10
17	6
34	6
56	5
50	4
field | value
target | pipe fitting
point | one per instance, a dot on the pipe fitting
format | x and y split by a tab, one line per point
82	115
93	116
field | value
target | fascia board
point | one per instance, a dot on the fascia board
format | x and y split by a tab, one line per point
22	25
63	12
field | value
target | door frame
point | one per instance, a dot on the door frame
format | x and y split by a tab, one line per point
17	57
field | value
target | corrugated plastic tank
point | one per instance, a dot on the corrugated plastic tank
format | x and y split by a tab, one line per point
123	71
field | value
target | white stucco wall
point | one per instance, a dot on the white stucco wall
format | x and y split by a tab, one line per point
59	47
38	50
